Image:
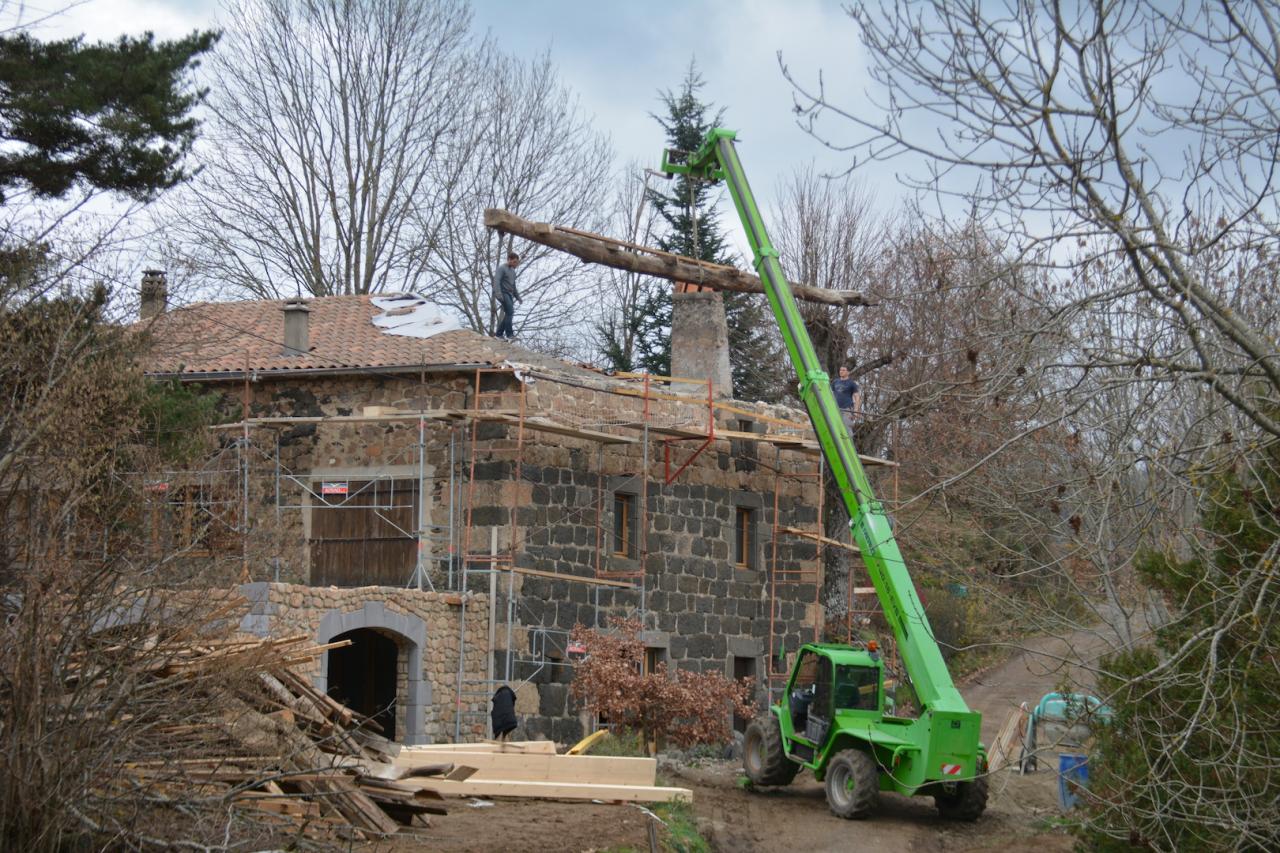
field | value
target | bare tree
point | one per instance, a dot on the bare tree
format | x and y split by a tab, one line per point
1132	124
829	235
624	295
326	145
1128	150
531	151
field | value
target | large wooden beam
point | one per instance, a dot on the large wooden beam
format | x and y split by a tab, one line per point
528	747
550	790
579	769
595	249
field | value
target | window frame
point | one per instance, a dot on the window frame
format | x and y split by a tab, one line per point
743	536
626	501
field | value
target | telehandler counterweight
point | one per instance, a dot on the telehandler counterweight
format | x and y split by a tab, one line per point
832	718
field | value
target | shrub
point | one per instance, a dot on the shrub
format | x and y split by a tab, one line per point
685	708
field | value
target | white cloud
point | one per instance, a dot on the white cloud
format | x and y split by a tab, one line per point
104	20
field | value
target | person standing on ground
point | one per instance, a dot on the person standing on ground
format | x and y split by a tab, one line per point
504	290
848	397
503	715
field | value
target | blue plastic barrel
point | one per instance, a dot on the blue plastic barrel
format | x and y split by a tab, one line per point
1073	776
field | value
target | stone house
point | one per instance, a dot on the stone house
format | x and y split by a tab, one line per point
455	505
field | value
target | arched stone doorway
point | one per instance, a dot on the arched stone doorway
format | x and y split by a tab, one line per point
364	676
387	640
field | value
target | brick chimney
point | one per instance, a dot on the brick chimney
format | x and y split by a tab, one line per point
297	331
700	338
154	294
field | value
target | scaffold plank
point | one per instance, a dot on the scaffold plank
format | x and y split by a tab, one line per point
562	576
544	424
825	540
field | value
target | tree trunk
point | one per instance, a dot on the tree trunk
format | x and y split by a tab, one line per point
595	249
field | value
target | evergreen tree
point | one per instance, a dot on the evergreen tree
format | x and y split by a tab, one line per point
115	116
1188	762
688	209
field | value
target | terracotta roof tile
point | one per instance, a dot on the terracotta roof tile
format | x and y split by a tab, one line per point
224	337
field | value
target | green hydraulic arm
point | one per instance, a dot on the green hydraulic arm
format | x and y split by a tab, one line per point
717	160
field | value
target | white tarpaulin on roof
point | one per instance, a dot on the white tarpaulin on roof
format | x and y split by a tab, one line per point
410	315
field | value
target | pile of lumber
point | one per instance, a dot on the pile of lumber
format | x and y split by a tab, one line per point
285	752
533	769
1008	739
262	741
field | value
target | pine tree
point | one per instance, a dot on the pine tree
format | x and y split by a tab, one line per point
688	209
114	116
1198	706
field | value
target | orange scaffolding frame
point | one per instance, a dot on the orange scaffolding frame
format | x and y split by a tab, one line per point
487	405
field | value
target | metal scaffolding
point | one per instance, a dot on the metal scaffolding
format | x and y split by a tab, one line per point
447	557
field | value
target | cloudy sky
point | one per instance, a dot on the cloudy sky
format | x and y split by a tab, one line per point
617	56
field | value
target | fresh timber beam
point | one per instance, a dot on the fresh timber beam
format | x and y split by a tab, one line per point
550	790
582	769
532	747
595	249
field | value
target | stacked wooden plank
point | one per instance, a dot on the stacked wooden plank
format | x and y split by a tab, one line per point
1008	739
286	752
533	769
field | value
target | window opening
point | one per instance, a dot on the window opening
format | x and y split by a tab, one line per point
624	538
742	536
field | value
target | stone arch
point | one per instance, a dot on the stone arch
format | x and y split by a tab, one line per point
411	635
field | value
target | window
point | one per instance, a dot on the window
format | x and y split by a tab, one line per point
194	518
858	688
654	657
624	525
743	539
364	536
810	698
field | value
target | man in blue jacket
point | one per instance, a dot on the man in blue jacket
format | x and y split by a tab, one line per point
848	397
504	290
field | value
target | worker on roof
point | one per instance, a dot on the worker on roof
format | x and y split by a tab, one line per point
848	397
504	290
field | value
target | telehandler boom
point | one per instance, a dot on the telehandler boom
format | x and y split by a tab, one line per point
832	718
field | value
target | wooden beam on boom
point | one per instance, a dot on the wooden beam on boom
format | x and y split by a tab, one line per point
597	249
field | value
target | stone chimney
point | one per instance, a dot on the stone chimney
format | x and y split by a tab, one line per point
297	327
700	338
154	294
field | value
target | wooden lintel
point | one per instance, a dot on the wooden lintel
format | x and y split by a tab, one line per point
597	249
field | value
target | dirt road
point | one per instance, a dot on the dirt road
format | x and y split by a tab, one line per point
796	817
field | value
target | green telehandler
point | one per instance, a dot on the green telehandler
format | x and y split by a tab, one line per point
833	717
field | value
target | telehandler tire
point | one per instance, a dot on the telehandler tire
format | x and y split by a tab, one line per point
853	784
763	759
967	802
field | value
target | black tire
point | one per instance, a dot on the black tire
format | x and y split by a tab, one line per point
763	759
967	801
853	784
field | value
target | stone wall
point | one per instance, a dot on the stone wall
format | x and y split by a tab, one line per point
700	339
549	500
426	627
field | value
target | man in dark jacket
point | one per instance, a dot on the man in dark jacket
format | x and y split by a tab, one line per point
504	290
503	716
